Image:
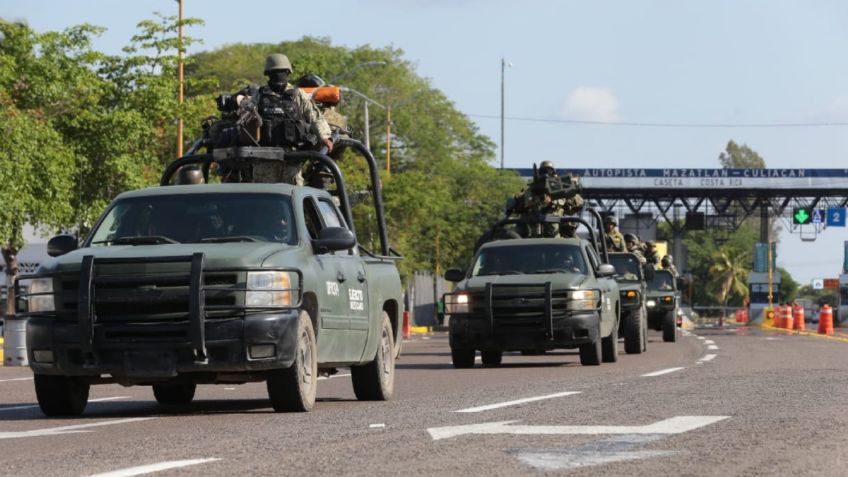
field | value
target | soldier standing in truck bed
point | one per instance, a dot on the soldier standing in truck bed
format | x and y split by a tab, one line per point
535	201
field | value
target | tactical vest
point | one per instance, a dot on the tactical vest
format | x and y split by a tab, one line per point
283	122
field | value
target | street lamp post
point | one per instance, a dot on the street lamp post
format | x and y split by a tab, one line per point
180	76
366	100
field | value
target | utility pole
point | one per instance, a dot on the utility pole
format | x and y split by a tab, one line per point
388	139
181	78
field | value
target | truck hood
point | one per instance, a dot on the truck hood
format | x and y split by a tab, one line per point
218	255
558	280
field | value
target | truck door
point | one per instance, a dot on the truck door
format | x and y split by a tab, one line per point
607	285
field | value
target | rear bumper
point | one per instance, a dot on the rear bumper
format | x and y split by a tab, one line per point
142	353
568	332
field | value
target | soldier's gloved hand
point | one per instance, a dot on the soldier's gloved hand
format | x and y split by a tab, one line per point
329	143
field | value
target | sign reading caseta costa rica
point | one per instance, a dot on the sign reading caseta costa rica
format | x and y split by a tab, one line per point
825	179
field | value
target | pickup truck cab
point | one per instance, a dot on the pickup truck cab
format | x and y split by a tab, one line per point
182	285
662	302
631	278
531	295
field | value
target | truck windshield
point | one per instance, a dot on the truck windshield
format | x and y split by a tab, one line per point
663	281
197	218
627	266
527	259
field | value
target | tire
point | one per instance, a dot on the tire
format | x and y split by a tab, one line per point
590	353
462	357
61	395
670	327
293	389
634	332
609	346
375	381
174	394
491	357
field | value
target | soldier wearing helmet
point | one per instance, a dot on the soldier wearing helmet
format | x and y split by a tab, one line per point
539	199
667	263
615	241
631	241
649	248
289	117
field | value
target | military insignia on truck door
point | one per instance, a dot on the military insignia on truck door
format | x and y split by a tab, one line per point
356	299
332	289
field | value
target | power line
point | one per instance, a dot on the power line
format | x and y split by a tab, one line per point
666	125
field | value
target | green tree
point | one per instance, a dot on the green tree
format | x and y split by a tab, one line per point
730	273
788	286
735	156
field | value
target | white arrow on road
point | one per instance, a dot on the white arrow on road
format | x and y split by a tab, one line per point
674	425
55	431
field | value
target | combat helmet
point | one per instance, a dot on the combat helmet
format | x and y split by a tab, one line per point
631	238
547	165
610	220
277	61
666	261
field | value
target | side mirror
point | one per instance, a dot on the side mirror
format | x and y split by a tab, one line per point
333	239
649	272
454	274
61	244
605	270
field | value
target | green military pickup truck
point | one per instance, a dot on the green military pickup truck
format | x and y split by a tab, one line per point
533	295
631	277
662	303
181	285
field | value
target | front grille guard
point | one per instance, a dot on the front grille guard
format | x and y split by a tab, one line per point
547	308
197	307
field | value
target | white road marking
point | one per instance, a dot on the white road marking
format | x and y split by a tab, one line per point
709	342
708	357
674	425
376	426
14	379
147	469
712	347
661	372
517	401
425	338
229	389
333	376
33	406
79	428
772	338
615	449
701	338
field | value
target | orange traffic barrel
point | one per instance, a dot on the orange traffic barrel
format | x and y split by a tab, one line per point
826	320
798	316
742	315
406	324
781	316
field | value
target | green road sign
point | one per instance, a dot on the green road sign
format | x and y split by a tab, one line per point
801	216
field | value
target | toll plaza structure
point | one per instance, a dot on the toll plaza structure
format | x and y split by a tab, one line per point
808	200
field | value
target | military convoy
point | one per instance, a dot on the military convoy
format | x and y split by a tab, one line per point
662	303
631	278
177	286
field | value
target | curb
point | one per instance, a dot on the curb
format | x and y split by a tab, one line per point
835	337
2	356
420	329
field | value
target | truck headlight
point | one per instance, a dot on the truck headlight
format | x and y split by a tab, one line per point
457	303
667	299
272	288
37	301
651	303
580	300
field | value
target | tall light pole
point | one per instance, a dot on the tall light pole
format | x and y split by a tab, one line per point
503	70
180	76
365	100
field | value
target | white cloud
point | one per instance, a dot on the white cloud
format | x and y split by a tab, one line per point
591	104
838	107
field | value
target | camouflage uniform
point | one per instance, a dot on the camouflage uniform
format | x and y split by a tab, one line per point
529	203
636	249
668	264
615	241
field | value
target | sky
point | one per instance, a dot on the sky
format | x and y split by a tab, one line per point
720	65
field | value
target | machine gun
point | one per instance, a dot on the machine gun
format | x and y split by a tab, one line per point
541	192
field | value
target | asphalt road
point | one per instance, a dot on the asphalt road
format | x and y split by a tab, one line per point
717	402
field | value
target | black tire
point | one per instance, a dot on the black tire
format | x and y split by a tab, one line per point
174	394
293	389
61	395
375	381
462	357
670	327
609	346
491	357
634	331
590	353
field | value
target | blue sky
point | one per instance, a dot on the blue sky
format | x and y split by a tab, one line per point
670	61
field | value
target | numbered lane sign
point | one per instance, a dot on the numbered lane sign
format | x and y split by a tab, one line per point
836	217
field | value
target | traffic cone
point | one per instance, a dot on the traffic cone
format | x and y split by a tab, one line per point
787	317
406	325
826	320
798	316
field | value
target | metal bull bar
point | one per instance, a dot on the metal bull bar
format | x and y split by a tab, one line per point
197	299
547	308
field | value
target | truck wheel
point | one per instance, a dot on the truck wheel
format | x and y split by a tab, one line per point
669	327
610	346
462	357
61	395
293	389
375	381
590	354
491	357
634	332
174	394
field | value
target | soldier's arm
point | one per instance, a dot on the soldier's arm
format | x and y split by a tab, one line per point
313	115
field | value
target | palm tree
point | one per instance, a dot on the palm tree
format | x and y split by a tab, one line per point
730	273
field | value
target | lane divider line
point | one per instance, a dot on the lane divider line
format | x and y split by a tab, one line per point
661	372
711	347
701	338
14	379
489	407
33	406
709	342
707	357
147	469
